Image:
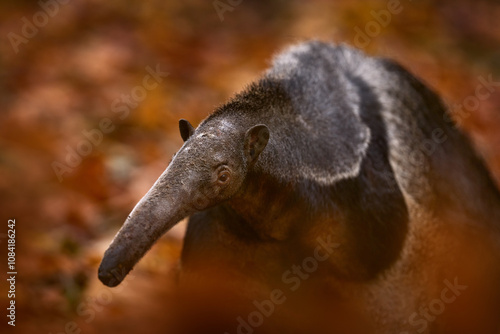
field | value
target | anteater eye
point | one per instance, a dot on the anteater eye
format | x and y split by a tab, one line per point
223	176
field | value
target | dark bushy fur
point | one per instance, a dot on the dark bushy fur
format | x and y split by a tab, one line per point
346	157
327	108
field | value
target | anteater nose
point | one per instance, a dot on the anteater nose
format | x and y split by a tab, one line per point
107	279
111	271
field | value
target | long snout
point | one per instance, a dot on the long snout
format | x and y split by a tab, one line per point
157	212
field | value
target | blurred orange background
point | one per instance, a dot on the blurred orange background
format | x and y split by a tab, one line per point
66	66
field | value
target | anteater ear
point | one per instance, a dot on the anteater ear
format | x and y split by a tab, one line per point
186	129
256	139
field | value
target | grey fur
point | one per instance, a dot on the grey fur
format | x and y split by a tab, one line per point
323	144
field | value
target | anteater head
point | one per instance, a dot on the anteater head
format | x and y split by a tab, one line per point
209	168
